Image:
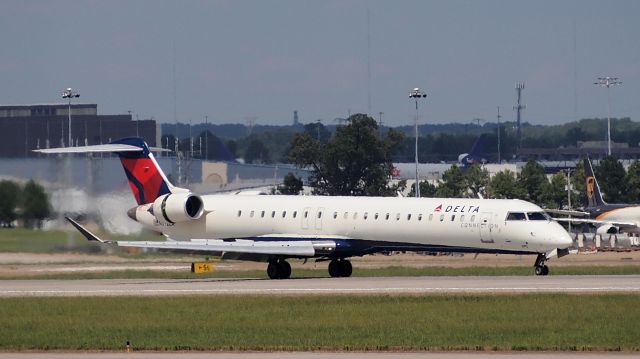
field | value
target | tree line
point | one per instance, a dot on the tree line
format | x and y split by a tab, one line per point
28	204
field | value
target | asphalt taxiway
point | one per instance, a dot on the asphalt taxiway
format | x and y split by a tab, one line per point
354	285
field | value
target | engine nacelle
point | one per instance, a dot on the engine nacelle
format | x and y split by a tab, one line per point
607	229
177	207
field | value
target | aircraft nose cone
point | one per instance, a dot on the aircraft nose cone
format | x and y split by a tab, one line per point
132	213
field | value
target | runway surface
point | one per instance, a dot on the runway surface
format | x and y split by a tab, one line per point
369	285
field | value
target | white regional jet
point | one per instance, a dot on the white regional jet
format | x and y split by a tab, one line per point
276	228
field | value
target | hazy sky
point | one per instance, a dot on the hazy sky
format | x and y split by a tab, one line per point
263	59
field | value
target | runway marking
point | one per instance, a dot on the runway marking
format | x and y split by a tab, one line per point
318	290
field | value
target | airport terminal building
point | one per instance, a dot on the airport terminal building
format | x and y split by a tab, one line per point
29	127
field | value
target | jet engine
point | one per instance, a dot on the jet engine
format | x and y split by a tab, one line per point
177	207
607	229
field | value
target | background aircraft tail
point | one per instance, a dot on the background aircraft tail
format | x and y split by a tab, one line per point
594	197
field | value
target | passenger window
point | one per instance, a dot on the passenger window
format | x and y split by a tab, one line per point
251	214
273	214
473	218
516	216
284	214
537	216
397	216
319	214
375	216
462	218
346	215
335	215
366	215
453	217
441	217
239	213
306	214
409	217
420	217
295	214
430	217
355	215
386	216
262	214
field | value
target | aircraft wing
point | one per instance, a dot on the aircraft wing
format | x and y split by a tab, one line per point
597	222
566	212
271	245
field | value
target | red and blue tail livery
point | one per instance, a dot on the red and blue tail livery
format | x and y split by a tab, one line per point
146	179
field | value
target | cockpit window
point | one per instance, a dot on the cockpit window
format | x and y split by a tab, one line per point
537	216
516	216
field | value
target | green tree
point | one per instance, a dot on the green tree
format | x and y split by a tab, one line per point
555	194
452	184
578	182
534	181
354	162
291	185
35	205
476	179
426	189
633	182
257	152
9	202
505	185
611	178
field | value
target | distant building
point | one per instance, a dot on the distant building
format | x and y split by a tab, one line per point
593	149
29	127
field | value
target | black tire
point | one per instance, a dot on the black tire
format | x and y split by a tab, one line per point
545	270
539	270
284	269
334	268
345	268
273	270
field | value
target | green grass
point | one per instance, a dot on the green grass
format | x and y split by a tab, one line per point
428	322
357	272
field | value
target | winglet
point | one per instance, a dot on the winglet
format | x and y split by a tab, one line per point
90	236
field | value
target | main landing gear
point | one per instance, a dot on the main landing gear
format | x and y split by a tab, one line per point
279	269
340	268
541	268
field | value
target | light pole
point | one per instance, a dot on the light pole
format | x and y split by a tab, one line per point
499	117
608	82
416	94
69	94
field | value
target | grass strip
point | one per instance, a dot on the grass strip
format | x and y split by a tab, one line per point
427	322
358	272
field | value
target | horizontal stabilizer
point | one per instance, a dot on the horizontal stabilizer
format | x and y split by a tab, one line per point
110	147
90	236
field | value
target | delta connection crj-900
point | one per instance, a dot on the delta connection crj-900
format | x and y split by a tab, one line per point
274	229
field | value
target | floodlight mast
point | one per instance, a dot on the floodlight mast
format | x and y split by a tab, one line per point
608	82
416	94
69	94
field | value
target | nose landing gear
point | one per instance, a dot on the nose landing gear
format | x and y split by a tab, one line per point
279	269
340	268
540	267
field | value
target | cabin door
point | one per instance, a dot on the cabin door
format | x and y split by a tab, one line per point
486	227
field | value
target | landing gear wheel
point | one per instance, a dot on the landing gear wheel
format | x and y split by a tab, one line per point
340	268
285	269
279	269
272	270
541	268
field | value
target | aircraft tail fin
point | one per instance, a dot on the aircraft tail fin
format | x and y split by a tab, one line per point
594	196
146	179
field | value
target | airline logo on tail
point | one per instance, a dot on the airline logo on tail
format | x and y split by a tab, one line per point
145	177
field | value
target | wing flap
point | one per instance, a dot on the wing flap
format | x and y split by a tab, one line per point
283	248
